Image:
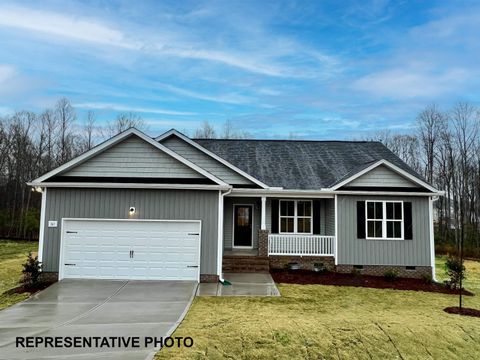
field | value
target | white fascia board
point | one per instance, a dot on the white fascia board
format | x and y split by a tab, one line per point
275	192
211	154
115	140
128	186
391	166
324	193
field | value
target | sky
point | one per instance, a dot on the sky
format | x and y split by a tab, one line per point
276	69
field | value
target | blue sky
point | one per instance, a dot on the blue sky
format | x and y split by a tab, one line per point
311	69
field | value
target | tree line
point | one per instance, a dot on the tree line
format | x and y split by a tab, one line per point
445	149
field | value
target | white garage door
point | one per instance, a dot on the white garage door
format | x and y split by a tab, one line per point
130	249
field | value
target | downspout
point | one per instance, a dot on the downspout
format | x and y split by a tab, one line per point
431	199
221	196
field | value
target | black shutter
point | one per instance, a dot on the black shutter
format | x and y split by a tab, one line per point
407	216
316	217
274	216
361	220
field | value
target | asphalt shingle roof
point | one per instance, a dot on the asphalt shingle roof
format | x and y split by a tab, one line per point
308	165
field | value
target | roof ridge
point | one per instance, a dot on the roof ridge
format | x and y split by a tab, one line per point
293	140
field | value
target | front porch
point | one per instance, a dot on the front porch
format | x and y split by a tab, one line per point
262	233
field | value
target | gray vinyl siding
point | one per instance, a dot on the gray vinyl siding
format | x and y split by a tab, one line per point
229	202
204	161
353	251
134	157
150	204
382	176
329	213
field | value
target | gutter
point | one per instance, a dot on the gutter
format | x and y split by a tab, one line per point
221	198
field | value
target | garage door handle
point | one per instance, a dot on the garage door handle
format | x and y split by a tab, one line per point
72	232
193	234
192	266
70	264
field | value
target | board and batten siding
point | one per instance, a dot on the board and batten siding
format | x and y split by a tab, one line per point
133	157
229	202
204	161
383	177
149	204
354	251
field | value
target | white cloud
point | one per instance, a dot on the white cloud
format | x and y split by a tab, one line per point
167	41
226	98
7	72
409	83
120	107
88	30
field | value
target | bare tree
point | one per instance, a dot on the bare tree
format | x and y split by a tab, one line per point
88	129
123	122
206	131
65	117
430	123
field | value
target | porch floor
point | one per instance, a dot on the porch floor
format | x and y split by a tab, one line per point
243	284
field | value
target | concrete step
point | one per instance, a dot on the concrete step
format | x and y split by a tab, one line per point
245	264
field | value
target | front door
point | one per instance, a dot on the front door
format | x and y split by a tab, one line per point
242	225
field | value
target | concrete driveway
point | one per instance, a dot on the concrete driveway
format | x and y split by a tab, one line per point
90	308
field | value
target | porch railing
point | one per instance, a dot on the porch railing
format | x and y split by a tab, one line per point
302	245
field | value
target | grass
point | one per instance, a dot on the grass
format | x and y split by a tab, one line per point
328	322
12	255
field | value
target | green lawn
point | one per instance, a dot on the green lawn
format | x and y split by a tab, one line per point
12	255
328	322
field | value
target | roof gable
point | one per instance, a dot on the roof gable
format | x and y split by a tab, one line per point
134	158
384	177
382	174
140	138
209	160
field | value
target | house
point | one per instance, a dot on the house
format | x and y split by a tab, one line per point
173	207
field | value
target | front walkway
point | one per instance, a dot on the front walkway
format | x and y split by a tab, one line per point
243	284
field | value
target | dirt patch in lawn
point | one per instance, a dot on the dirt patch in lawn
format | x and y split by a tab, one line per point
305	277
464	311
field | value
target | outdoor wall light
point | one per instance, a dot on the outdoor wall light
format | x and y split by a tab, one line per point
132	210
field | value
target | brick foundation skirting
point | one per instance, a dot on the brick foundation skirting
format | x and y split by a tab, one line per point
306	262
49	276
380	270
208	278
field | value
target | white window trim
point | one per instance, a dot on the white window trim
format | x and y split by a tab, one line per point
384	220
295	217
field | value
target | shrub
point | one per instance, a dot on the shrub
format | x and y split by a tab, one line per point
455	270
427	279
31	271
390	275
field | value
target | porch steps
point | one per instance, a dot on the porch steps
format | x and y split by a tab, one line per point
236	263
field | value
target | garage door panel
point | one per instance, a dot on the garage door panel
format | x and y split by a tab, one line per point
102	249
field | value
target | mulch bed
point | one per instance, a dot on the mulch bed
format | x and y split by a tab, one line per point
20	289
464	311
305	277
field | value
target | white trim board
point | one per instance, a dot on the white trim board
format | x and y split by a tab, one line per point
211	154
97	185
41	234
117	139
389	165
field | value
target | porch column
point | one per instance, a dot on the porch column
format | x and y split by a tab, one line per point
263	232
263	225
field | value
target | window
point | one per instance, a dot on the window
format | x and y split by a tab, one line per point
296	216
384	220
